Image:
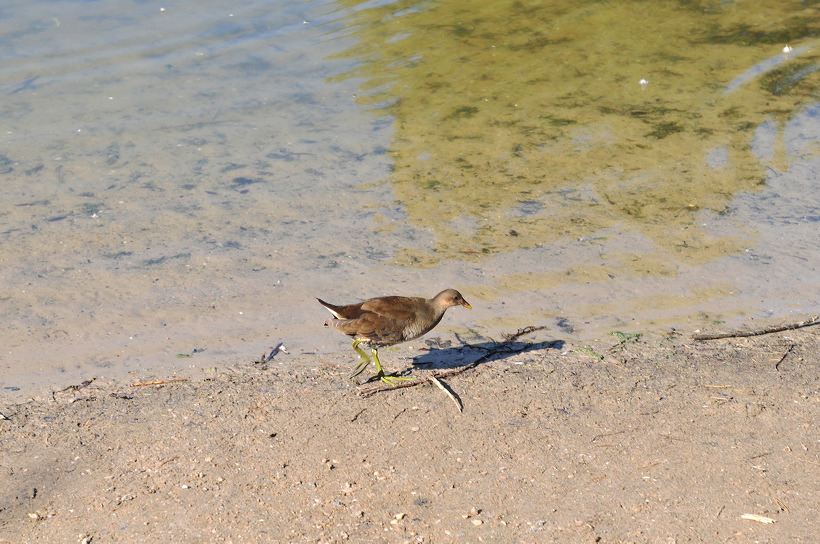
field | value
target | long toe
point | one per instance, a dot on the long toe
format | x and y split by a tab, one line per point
359	368
392	380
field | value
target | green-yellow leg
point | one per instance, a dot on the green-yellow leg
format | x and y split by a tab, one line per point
380	371
366	361
363	363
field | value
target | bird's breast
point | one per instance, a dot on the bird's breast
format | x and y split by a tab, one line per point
419	327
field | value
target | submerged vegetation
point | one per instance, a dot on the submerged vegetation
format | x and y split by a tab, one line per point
564	103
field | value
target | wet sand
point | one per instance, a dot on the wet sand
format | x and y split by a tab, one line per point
657	438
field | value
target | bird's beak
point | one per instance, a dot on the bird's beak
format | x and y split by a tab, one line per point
467	305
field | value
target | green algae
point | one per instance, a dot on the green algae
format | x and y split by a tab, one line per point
500	103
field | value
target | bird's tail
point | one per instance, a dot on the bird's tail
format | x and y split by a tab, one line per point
330	308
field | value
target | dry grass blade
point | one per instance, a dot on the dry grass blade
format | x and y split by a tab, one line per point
759	519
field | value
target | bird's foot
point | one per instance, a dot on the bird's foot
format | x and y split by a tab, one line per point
390	380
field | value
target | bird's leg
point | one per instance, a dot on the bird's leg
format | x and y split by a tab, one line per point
380	371
363	363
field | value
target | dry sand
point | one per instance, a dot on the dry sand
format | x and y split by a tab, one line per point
651	439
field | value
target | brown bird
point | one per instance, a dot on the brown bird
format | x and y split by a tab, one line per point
386	321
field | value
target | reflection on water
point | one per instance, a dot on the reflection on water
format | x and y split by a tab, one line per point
542	121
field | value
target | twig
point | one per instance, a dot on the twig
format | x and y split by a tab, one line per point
77	387
777	365
522	332
395	417
360	412
449	393
174	458
159	382
768	330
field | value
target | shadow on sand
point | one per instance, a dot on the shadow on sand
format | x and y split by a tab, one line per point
448	358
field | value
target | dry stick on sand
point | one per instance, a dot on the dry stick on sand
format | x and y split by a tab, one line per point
448	392
521	332
369	391
789	350
768	330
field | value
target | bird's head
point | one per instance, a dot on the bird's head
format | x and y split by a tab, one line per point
449	298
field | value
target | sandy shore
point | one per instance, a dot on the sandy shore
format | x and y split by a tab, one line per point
650	439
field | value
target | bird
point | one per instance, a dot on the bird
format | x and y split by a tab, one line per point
386	321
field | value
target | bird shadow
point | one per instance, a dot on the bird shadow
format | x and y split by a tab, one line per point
446	357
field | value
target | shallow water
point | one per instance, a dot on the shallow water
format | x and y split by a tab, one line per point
182	182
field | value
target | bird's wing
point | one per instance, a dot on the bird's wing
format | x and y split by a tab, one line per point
377	328
398	308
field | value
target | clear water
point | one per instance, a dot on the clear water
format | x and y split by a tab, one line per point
184	180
